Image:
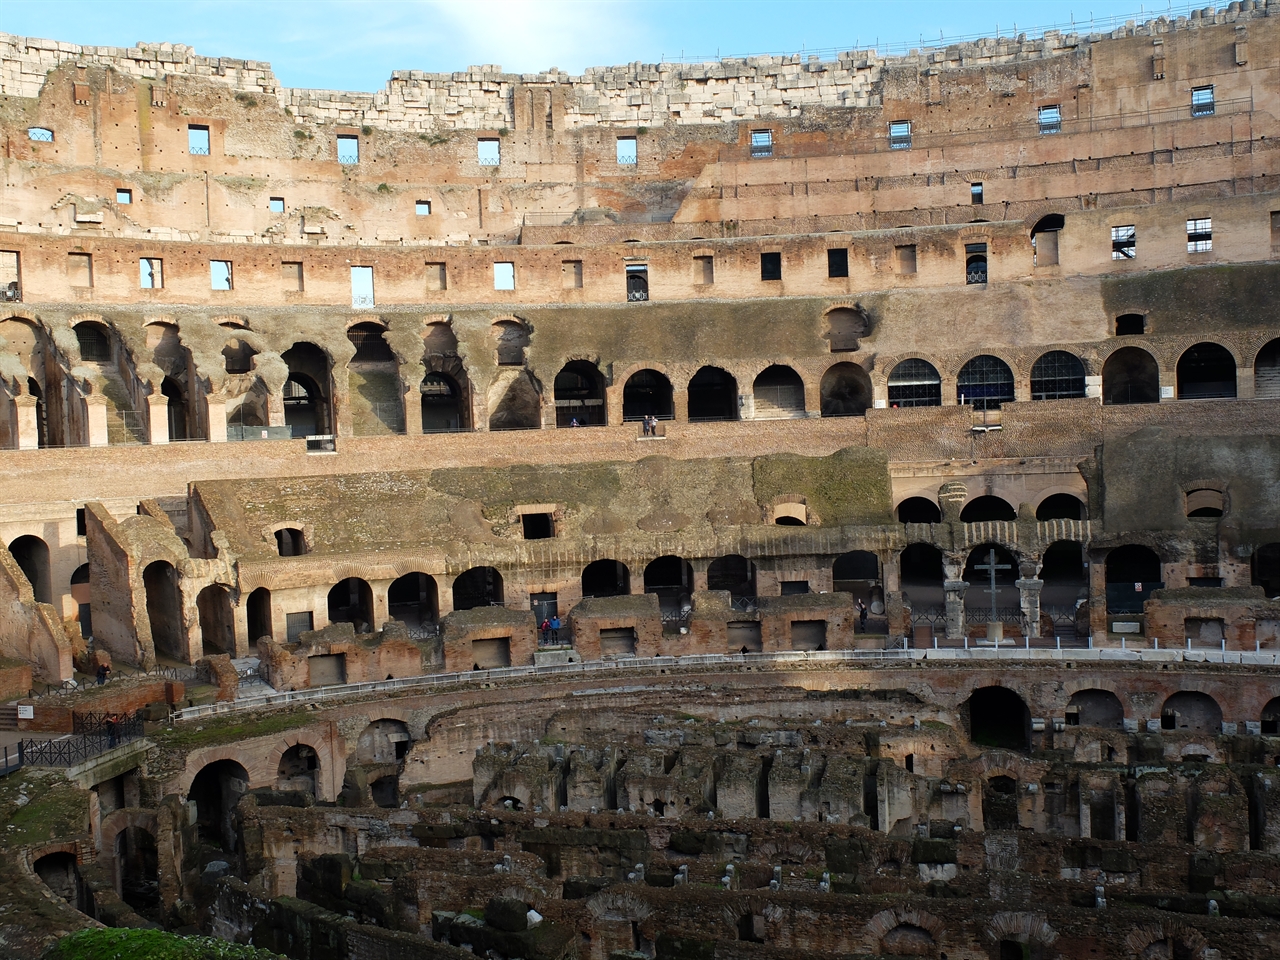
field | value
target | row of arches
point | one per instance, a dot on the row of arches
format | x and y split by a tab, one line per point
986	508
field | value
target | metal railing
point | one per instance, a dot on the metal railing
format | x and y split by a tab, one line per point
322	443
11	293
69	750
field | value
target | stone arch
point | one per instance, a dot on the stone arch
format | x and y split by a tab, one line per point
215	789
845	391
258	612
985	382
987	508
414	599
373	381
324	780
734	573
997	716
1191	711
1026	929
477	587
918	930
915	382
1130	375
671	578
32	555
164	610
1167	940
579	390
1265	568
778	393
351	601
511	338
384	740
1206	371
1270	718
647	393
918	510
308	391
845	326
713	395
119	844
1266	371
1094	707
1057	375
95	340
606	578
1061	506
217	622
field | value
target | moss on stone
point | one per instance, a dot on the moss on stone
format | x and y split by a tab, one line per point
1235	297
850	486
115	944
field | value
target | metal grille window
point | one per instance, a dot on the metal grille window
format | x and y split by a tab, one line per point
1200	235
900	135
771	266
1202	101
975	263
628	151
93	342
198	140
915	383
1124	242
1050	118
761	143
348	148
488	153
40	134
362	287
637	282
1057	375
986	382
296	624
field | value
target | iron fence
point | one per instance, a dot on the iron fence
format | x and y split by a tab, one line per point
77	748
999	615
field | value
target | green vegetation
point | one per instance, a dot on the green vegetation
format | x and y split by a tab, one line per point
850	486
366	130
119	944
227	729
383	188
40	805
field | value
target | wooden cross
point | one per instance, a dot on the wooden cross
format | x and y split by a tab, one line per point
991	567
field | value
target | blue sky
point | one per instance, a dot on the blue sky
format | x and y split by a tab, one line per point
355	44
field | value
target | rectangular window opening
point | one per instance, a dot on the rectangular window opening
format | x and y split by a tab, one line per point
1275	231
571	274
150	273
504	275
537	526
1050	118
771	266
40	134
362	287
704	270
81	528
837	262
80	269
124	196
975	193
489	153
422	208
276	205
198	139
1200	235
1124	242
1202	101
220	274
761	143
291	276
1045	244
10	281
348	148
793	588
904	258
437	279
628	151
637	282
900	135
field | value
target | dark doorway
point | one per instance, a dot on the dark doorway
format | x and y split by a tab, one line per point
164	610
778	393
579	395
606	578
1000	804
299	766
306	394
1061	506
713	395
1266	568
259	614
217	625
216	790
1063	572
414	600
647	394
999	718
441	404
922	577
351	601
733	573
139	871
1266	372
1206	371
1130	375
986	509
290	542
1132	573
477	587
1095	708
1192	712
671	578
32	555
845	391
919	510
172	390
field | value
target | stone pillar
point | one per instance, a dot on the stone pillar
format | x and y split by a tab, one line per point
1098	598
954	591
275	410
412	401
1029	595
1244	383
240	625
680	404
28	422
381	614
95	409
613	405
158	418
444	594
699	574
216	408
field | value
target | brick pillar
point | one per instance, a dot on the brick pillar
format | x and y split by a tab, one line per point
444	594
381	613
1098	598
26	407
96	419
158	418
240	625
953	591
1029	595
1244	383
217	414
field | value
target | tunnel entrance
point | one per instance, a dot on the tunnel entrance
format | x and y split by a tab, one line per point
999	718
216	790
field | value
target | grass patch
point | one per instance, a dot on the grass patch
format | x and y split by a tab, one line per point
118	943
223	729
54	807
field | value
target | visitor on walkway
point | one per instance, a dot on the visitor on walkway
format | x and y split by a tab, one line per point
545	627
555	629
863	613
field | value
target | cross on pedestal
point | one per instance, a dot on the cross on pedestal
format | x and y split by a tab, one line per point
991	567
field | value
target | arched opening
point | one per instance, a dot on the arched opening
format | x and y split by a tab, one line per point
217	626
258	611
290	542
1265	565
1206	371
637	281
385	792
1000	803
1130	375
1132	573
986	509
1095	708
1065	584
671	578
606	578
790	515
1061	506
164	610
1266	372
845	326
1271	718
440	340
515	402
998	718
733	573
1205	502
95	342
477	587
915	383
299	766
1057	375
579	395
61	874
977	573
139	866
414	600
238	356
81	595
441	404
919	510
383	741
922	578
1044	239
845	391
985	382
779	394
647	393
351	601
373	380
32	555
975	262
177	410
908	940
216	790
854	571
511	339
1189	711
42	413
713	395
306	396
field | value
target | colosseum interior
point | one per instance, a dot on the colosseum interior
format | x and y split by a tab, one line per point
887	563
